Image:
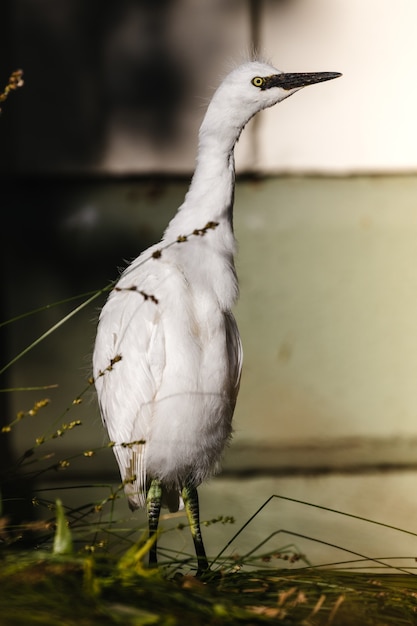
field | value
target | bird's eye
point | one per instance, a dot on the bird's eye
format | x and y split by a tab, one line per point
258	81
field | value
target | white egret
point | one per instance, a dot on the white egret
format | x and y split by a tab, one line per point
168	356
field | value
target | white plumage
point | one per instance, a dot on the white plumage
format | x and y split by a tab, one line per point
168	356
176	382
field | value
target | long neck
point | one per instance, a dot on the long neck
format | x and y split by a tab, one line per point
211	193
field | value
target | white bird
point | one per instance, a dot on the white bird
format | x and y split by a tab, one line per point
168	356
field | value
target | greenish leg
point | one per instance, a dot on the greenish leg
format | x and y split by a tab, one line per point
190	497
153	506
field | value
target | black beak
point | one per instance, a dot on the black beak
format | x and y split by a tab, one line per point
295	81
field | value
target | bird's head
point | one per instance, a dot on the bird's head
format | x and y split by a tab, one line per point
254	86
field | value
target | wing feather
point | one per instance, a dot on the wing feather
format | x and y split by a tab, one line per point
235	353
128	364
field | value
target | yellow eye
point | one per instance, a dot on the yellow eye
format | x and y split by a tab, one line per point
258	81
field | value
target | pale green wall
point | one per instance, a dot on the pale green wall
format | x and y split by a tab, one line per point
328	309
328	299
328	319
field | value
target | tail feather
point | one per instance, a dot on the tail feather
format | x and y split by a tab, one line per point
131	461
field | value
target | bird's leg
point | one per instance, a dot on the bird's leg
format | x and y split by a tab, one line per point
153	506
190	497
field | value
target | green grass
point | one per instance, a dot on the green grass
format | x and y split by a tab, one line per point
47	589
74	583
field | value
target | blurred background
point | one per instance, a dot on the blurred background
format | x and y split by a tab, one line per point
97	151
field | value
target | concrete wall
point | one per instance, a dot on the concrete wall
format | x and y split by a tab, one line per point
363	122
326	411
126	85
